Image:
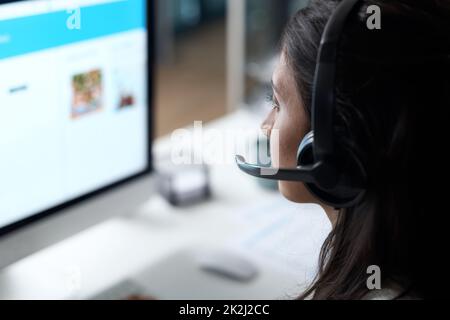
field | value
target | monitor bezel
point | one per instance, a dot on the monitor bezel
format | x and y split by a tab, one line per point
59	209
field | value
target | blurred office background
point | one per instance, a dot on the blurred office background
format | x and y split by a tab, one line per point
215	56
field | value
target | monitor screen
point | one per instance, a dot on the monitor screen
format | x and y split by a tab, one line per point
74	118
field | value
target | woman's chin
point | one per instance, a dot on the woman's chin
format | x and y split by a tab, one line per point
296	192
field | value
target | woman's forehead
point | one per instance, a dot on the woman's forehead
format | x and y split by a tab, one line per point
282	77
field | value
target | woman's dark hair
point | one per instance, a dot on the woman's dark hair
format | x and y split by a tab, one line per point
392	88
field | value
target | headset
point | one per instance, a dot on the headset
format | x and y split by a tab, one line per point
316	157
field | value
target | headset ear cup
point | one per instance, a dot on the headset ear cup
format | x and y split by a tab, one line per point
305	155
336	198
339	197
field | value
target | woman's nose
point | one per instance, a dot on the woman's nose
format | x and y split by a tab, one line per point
267	125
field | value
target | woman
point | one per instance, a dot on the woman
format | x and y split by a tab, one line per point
392	87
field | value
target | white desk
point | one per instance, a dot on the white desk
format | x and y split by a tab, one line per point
117	249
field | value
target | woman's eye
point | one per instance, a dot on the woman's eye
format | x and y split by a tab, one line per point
275	104
273	101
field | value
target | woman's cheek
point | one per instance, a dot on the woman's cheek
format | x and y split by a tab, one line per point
281	143
274	155
283	149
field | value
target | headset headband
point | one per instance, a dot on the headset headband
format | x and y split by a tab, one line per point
323	100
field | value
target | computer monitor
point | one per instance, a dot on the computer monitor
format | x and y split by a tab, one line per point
75	117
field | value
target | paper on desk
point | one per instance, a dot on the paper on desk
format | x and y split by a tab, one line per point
285	235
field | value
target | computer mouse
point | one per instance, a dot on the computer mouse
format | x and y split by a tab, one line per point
227	264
